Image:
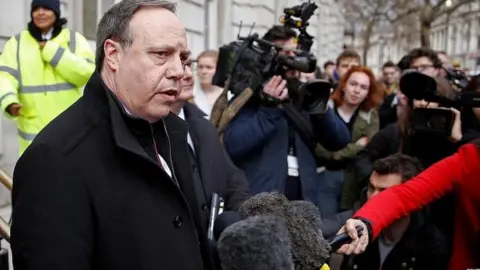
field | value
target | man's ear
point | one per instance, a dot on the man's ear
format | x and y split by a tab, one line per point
113	54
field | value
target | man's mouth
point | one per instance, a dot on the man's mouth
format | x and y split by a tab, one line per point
171	93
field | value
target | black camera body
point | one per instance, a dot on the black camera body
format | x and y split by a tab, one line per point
304	11
250	61
418	86
456	78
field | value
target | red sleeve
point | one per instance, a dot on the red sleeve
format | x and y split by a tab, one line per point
397	202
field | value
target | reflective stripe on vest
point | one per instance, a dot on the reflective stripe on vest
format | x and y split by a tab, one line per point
10	71
25	135
56	58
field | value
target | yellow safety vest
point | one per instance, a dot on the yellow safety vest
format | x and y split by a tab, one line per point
44	81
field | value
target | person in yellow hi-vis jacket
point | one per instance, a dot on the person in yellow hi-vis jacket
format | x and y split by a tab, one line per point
42	70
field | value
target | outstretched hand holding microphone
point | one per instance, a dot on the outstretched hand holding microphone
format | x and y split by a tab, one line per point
359	241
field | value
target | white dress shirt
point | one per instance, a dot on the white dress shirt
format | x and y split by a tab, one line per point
181	114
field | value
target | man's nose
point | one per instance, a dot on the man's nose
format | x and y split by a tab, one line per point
176	69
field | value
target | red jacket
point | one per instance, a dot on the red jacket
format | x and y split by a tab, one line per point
459	173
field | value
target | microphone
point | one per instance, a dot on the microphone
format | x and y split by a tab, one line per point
265	203
309	249
256	243
215	211
309	211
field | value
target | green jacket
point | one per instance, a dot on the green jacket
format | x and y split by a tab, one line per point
366	124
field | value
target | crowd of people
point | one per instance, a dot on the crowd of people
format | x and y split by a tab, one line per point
122	174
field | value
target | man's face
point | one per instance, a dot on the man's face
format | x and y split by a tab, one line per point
424	65
148	75
346	64
289	44
389	75
187	83
206	67
329	70
379	183
43	18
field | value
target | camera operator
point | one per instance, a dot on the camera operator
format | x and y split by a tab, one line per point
271	148
427	147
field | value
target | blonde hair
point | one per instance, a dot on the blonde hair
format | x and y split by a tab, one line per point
208	53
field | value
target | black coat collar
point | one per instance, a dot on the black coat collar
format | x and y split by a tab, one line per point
129	133
135	136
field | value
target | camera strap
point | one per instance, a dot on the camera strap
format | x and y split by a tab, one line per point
301	124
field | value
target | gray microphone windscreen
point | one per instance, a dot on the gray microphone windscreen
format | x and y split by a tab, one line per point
309	211
256	243
266	203
309	247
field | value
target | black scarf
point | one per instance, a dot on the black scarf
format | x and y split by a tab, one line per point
295	114
37	34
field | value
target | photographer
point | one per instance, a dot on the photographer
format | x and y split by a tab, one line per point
268	144
427	147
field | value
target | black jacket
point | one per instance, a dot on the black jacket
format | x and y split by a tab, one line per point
423	247
90	194
213	168
387	112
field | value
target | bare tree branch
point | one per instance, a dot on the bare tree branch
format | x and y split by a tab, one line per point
440	10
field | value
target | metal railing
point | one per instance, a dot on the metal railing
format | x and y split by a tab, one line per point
6	181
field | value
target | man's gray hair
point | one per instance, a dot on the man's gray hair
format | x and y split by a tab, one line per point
115	23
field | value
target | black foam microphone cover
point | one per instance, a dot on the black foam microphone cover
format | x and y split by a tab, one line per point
256	243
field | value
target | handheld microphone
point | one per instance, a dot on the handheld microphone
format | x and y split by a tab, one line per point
265	203
309	249
215	208
256	243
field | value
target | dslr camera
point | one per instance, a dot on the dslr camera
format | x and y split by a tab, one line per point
418	86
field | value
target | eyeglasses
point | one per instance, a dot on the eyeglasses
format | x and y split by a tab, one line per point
421	68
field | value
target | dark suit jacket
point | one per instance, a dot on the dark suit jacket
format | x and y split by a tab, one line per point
214	167
90	194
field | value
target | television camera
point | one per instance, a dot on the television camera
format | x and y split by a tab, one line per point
304	12
250	61
245	65
418	86
456	78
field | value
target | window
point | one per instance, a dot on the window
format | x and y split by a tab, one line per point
92	13
453	34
